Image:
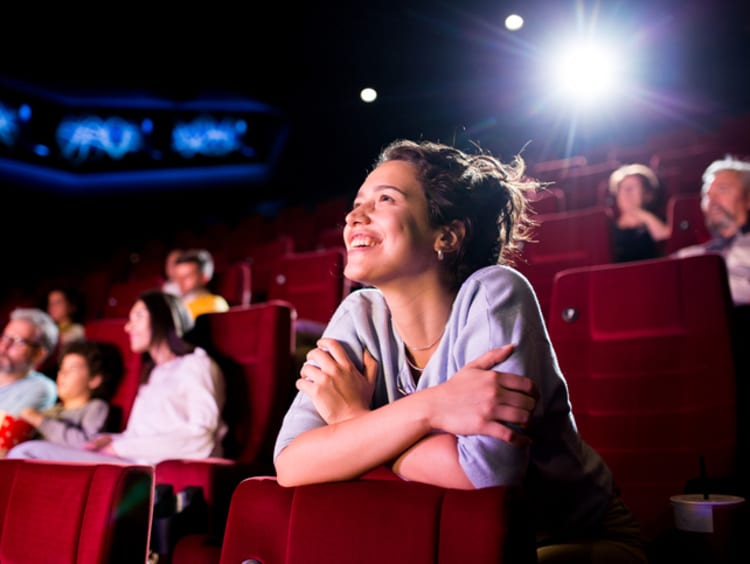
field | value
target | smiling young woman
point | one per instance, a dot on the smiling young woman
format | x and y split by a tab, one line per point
441	367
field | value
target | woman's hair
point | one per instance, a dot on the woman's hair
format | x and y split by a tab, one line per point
102	358
75	299
652	192
170	320
478	190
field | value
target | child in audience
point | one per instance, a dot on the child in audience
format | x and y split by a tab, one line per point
89	374
177	410
193	272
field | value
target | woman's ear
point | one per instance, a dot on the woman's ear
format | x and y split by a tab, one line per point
450	239
95	381
452	236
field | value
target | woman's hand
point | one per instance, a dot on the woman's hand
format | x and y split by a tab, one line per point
338	390
98	443
478	400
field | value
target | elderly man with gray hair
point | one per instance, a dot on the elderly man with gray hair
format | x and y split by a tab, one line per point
29	337
726	207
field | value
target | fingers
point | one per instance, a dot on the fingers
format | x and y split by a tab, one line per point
371	367
505	433
518	383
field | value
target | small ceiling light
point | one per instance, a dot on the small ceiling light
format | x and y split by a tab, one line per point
368	95
513	22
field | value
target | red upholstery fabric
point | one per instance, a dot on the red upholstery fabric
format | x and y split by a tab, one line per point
688	223
122	294
564	240
646	350
375	521
264	258
112	330
78	513
312	281
234	282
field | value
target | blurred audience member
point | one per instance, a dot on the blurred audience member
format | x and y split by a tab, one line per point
638	223
177	410
88	377
726	207
194	270
170	284
65	306
27	341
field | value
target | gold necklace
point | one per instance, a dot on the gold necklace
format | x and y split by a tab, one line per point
411	364
432	344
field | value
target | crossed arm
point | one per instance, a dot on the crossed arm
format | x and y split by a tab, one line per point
416	435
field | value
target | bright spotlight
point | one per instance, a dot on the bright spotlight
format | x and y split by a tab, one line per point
368	95
513	22
586	72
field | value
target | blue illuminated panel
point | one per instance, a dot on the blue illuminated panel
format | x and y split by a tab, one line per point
82	142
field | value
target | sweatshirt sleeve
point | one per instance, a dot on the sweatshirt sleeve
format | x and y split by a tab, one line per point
76	431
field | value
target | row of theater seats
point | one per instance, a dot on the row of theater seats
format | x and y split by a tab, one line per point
631	340
312	280
254	346
88	513
572	238
678	157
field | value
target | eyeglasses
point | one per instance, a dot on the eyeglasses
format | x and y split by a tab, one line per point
18	340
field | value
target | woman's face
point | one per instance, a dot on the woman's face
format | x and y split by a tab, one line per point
630	193
387	233
139	327
58	306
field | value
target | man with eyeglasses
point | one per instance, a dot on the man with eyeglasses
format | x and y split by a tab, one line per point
28	339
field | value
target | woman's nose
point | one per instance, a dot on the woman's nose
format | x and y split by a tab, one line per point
357	215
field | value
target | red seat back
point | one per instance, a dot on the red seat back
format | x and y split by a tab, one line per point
374	521
233	282
123	294
564	240
112	330
264	258
687	221
253	346
76	513
313	282
646	351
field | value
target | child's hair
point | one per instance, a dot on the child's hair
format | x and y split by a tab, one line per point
102	358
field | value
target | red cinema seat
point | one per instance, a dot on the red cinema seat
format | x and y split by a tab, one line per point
123	294
234	282
264	258
313	282
371	521
646	351
253	345
564	240
74	513
112	330
685	217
